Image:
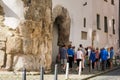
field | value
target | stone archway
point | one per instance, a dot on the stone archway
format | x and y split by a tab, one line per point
61	28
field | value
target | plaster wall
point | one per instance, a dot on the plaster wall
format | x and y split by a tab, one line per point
88	9
77	12
109	10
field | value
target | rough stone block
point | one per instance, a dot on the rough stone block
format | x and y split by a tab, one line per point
14	45
2	37
30	62
2	54
2	45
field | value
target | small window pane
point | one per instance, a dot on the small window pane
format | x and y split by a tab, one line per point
113	25
112	2
105	24
98	21
84	35
84	22
105	0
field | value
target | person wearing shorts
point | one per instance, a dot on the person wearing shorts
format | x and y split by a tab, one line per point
63	61
78	62
63	56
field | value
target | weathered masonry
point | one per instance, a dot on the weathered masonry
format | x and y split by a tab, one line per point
25	34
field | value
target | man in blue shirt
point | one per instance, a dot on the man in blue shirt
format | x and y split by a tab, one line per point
63	56
70	56
103	57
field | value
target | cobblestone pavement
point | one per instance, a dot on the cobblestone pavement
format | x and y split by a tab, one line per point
73	75
37	77
113	75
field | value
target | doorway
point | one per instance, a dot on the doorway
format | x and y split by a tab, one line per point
61	29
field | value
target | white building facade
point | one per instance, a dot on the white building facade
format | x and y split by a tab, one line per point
93	23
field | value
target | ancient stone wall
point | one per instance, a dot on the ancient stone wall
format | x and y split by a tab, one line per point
2	39
30	44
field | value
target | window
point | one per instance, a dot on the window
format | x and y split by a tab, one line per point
112	2
105	0
98	21
83	35
84	22
105	24
113	25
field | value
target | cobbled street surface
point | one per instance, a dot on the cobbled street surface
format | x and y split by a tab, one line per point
114	75
73	75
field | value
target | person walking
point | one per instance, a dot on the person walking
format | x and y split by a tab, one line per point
108	58
97	58
84	54
93	58
111	57
70	52
73	48
79	57
103	56
63	57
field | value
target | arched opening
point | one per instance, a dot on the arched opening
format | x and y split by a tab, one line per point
61	29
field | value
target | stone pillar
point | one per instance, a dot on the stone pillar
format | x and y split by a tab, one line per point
36	32
30	44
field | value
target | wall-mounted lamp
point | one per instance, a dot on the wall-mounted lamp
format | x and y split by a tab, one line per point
85	4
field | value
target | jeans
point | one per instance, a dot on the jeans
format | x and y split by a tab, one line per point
70	61
104	64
